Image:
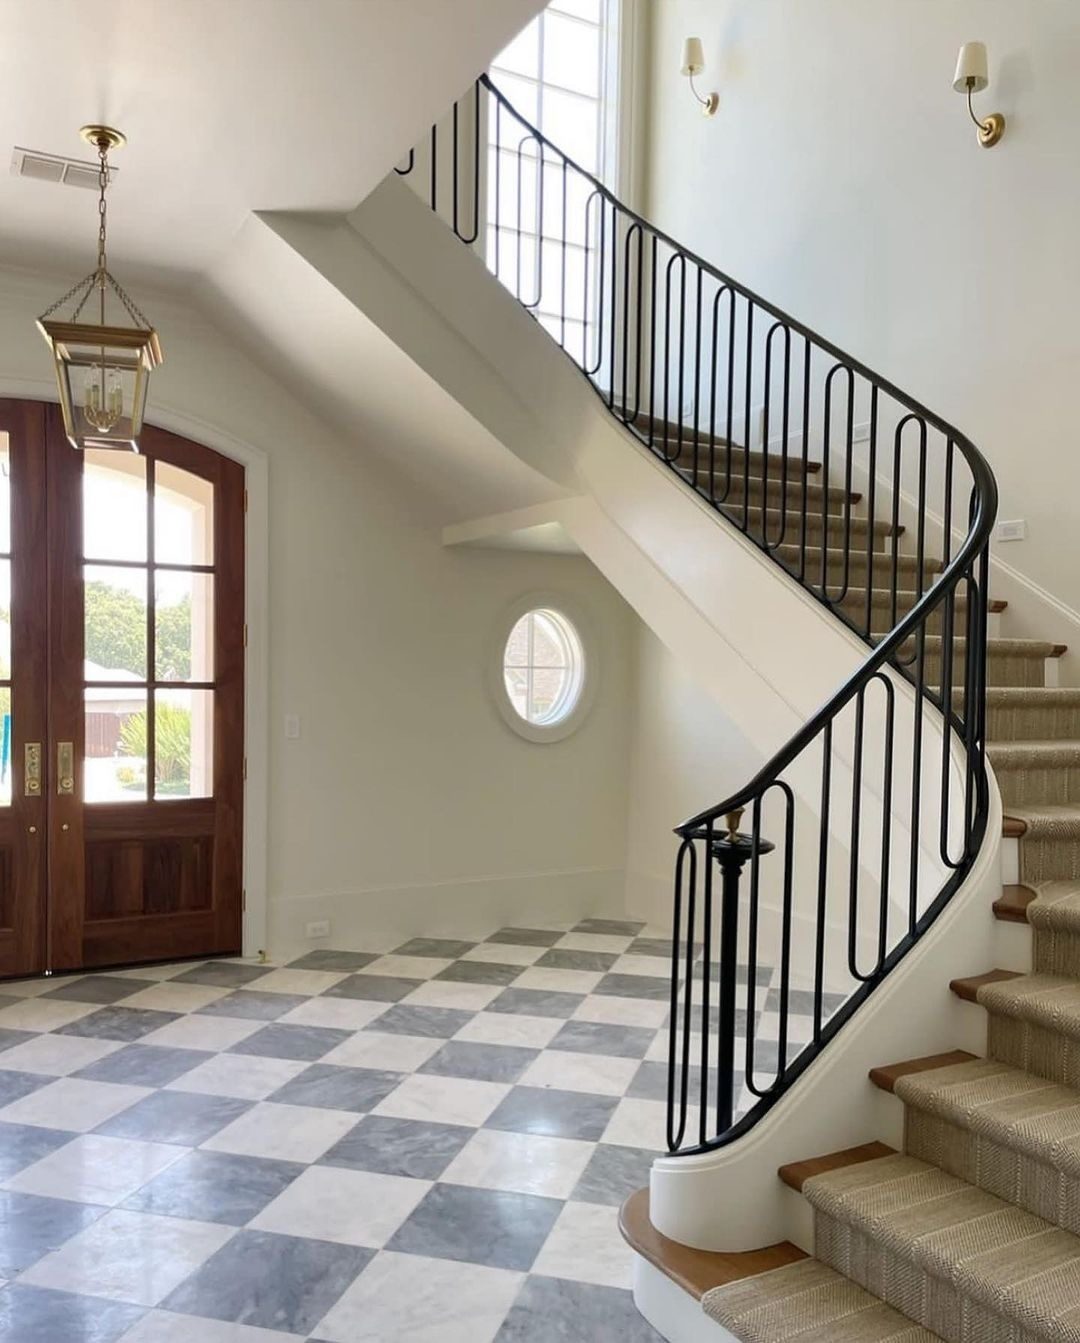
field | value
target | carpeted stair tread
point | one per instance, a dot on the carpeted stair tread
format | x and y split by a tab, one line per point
1051	821
1034	754
1051	1002
1004	1105
808	1302
1049	834
928	1227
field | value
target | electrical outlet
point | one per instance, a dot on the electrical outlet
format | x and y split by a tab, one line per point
861	433
317	928
1013	530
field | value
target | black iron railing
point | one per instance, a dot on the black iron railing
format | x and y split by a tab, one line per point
877	807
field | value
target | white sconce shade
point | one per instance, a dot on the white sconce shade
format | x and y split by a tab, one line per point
693	60
971	68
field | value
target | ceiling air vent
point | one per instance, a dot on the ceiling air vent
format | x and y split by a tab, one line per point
53	168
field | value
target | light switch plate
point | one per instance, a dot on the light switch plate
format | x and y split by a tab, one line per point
292	726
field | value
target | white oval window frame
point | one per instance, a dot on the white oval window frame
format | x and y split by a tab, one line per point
571	611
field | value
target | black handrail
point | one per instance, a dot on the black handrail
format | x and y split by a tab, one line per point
685	357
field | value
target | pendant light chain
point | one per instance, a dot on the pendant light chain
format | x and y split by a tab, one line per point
103	186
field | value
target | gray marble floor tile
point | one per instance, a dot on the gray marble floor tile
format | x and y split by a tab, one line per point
433	946
432	1022
215	1187
537	1003
479	1226
99	988
634	986
119	1023
327	1087
143	1065
556	1114
175	1117
326	958
406	1147
270	1281
38	1315
590	1037
291	1042
651	946
15	1085
23	1144
10	1038
613	1174
651	1081
374	988
488	1063
223	974
525	937
558	958
802	1001
31	1226
610	927
480	972
252	1005
552	1310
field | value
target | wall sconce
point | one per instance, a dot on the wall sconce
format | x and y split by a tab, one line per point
693	63
971	77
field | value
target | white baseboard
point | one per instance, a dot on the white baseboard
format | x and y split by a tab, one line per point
383	918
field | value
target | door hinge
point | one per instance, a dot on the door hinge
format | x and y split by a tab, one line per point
245	501
245	635
243	902
245	769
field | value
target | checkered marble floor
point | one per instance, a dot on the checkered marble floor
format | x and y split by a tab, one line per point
429	1145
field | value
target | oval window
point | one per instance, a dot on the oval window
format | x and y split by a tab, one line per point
543	668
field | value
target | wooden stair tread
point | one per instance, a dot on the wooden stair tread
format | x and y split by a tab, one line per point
887	1077
695	1271
1012	827
1011	905
968	988
796	1173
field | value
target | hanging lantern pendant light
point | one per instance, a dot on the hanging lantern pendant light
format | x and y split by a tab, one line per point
102	370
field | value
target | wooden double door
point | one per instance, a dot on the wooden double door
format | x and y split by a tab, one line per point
121	698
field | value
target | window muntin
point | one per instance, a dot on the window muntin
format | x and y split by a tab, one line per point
543	668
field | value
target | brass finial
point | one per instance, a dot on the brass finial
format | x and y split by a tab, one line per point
734	819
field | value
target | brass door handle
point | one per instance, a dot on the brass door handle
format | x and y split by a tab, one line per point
32	769
65	768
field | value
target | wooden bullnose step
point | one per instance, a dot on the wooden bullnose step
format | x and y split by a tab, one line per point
968	988
1011	905
887	1077
695	1271
796	1173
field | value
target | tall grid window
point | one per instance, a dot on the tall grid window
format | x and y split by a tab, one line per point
558	74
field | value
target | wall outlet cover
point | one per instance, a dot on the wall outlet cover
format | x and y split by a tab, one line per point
317	928
1013	530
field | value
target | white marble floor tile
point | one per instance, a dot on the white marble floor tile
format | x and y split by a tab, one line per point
96	1169
168	997
504	953
656	967
57	1055
196	1032
162	1326
246	1076
407	1298
284	1132
505	1028
443	1100
585	1246
658	1050
558	981
350	1207
595	1074
129	1256
26	988
346	1014
641	1123
161	972
72	1103
407	967
393	1053
303	982
43	1014
521	1163
610	1011
594	942
449	993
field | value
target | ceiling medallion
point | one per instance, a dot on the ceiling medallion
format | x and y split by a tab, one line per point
103	369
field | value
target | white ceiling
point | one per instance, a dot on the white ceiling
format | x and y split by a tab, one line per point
229	106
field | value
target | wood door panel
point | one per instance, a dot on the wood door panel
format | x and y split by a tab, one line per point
130	877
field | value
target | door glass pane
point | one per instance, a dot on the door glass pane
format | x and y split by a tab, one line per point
115	603
183	744
114	769
114	505
5	494
183	516
7	763
5	620
184	625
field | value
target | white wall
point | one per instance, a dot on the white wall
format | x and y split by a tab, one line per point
407	804
842	180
